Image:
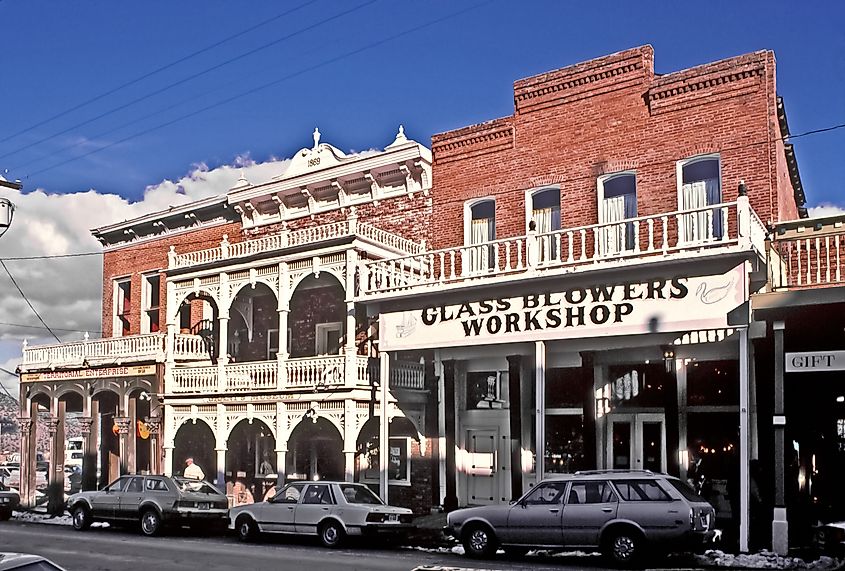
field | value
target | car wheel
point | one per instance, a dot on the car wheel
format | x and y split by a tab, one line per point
150	523
246	528
479	541
623	547
81	518
332	534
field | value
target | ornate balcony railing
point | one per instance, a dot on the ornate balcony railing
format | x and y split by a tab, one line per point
686	233
311	373
123	350
808	254
285	239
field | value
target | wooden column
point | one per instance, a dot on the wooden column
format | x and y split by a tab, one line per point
780	525
450	501
515	418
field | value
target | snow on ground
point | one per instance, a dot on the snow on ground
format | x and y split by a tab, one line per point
762	560
43	517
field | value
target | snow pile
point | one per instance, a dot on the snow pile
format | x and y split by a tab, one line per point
42	517
762	560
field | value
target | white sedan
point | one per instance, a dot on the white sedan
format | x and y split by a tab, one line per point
330	510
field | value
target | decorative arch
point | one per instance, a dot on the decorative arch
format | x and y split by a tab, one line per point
182	295
315	449
194	440
298	278
65	388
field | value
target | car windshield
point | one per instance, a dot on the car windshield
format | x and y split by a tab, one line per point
195	486
358	494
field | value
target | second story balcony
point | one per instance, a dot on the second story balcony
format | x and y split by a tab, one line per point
112	351
808	254
324	372
719	229
384	242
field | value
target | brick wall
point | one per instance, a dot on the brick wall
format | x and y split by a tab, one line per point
612	114
310	307
133	261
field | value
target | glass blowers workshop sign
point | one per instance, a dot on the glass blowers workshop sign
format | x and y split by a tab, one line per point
628	308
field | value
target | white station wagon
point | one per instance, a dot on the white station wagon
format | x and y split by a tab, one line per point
330	510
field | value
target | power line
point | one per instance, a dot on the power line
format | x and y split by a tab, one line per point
157	70
571	179
191	77
54	328
267	85
26	299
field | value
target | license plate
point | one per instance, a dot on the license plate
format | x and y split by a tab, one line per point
392	517
204	505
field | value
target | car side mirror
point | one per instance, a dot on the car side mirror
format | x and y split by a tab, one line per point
512	502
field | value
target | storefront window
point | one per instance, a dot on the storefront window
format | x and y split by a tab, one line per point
398	461
642	385
714	457
564	443
484	390
712	383
564	388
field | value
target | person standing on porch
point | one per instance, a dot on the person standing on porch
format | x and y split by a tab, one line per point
192	471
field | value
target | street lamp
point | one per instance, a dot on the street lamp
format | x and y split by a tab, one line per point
7	209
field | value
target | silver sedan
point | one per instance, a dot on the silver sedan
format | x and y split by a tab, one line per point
330	510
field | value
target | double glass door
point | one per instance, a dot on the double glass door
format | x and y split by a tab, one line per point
636	441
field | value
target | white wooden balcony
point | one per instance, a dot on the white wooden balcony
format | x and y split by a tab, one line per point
808	254
304	373
113	350
349	228
725	227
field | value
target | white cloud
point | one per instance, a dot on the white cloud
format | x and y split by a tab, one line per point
825	210
67	292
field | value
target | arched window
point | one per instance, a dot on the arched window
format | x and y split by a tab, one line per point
544	211
480	228
699	186
617	202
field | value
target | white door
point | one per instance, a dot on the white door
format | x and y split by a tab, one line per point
636	441
482	467
328	338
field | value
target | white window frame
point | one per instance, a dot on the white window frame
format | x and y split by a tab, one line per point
117	325
529	203
145	301
406	443
600	182
468	205
679	183
320	336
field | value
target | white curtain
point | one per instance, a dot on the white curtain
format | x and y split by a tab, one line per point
697	226
547	220
481	231
613	211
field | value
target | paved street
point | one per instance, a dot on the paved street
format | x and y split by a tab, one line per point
107	549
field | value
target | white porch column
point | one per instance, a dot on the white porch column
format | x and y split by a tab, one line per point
744	456
384	425
168	459
222	360
283	308
540	406
220	445
350	427
683	447
172	315
349	347
281	443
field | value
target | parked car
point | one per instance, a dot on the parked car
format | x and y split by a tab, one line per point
153	501
9	501
621	513
330	510
26	562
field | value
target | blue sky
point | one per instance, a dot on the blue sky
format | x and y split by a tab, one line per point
456	72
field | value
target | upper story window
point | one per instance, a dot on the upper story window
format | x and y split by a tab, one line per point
122	303
480	228
151	296
700	185
544	212
617	195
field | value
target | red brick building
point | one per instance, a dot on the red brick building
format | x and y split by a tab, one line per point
587	297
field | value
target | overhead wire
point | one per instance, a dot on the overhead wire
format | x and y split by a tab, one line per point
29	303
261	87
156	70
54	328
191	77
